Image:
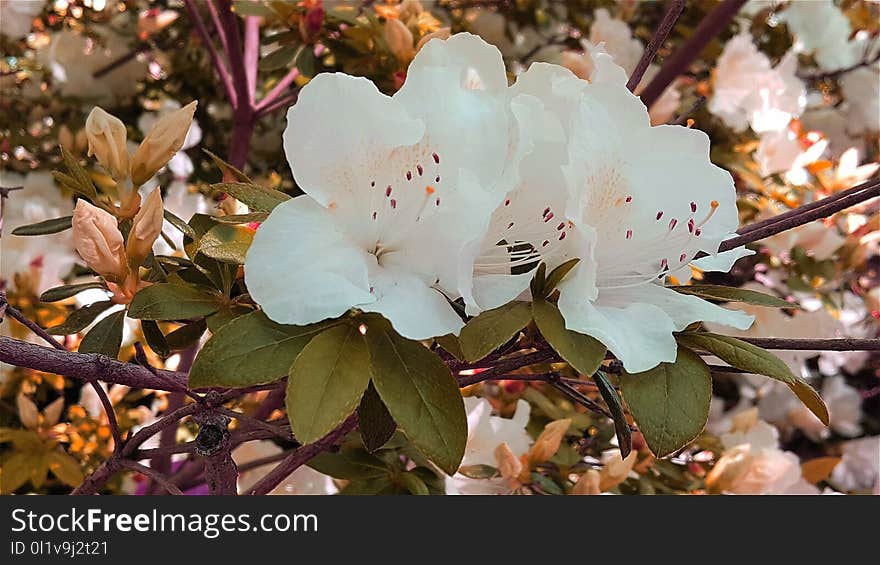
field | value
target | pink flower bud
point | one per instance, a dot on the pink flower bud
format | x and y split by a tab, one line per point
106	136
145	228
161	143
99	242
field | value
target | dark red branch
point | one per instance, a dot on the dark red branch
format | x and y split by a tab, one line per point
678	63
666	25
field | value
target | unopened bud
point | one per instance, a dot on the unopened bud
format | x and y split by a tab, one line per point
442	33
728	471
616	470
587	484
98	240
106	136
161	143
145	228
400	40
549	441
509	464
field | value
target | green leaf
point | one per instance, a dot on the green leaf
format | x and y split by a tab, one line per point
370	487
280	58
79	319
178	223
748	357
374	421
63	292
155	338
326	382
55	225
226	315
612	399
493	328
39	469
421	395
174	302
227	243
227	168
250	350
305	61
259	198
66	468
187	335
82	181
539	281
106	337
556	275
414	484
349	465
451	345
580	351
732	294
670	402
242	218
70	183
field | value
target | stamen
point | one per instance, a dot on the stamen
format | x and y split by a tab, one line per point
691	225
672	223
693	206
546	211
436	158
388	191
629	234
682	257
437	202
507	202
560	226
375	214
419	169
393	203
373	184
437	178
545	244
659	215
409	175
629	199
429	189
548	217
510	225
562	236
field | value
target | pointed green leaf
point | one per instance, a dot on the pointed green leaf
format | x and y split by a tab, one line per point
748	357
733	294
326	382
350	465
421	395
242	218
374	421
451	345
63	292
259	198
493	328
174	302
414	484
227	243
82	180
539	282
580	351
178	223
66	468
227	168
280	58
55	225
78	319
250	350
106	337
670	403
612	399
556	275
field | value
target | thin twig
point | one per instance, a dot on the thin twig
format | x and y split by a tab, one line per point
678	62
666	25
218	63
153	474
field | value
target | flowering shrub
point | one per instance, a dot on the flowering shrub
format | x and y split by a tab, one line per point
521	247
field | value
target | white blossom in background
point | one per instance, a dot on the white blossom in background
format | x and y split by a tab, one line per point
17	16
753	463
48	258
861	88
781	151
859	468
304	480
390	205
485	433
821	241
748	92
73	58
821	29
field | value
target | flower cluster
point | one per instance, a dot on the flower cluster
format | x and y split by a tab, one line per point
458	186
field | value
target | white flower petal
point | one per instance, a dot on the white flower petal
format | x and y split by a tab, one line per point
301	268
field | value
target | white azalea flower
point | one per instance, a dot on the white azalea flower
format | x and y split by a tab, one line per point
396	187
485	433
861	88
49	256
749	92
617	38
17	16
781	152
